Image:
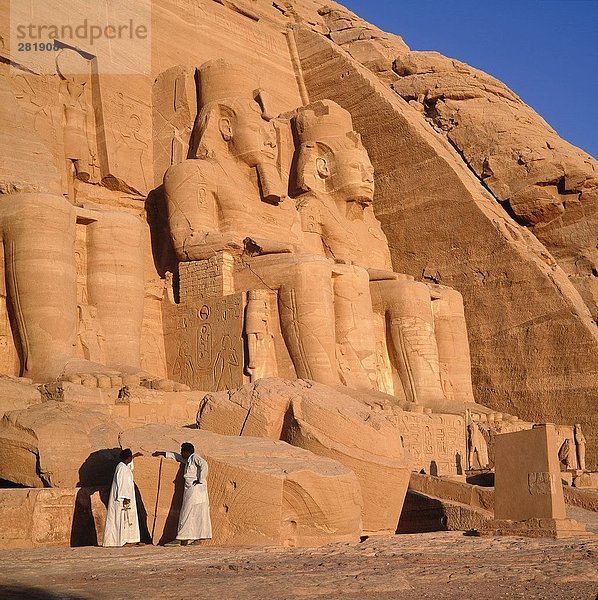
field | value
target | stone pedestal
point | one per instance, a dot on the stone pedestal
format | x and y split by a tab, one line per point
528	491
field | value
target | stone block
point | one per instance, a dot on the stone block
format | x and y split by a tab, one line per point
357	430
528	497
58	444
203	338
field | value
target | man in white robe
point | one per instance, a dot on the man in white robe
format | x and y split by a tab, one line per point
194	520
122	524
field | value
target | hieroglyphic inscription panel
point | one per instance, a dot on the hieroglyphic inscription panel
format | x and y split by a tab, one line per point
204	343
437	443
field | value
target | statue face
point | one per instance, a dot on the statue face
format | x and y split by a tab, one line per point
352	175
252	139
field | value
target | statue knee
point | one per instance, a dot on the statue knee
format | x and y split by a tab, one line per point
450	299
121	226
311	274
403	297
35	203
33	216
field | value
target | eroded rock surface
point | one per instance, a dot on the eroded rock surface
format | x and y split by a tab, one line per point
363	437
57	444
544	182
261	491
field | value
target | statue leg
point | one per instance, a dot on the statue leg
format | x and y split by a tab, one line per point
305	306
115	282
407	305
39	238
453	344
354	320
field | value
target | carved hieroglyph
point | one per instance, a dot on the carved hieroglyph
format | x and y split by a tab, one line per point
205	344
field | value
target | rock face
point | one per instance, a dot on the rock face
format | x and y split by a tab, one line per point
364	431
59	445
262	492
516	295
545	183
467	187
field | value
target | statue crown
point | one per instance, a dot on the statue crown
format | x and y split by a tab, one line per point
220	80
322	120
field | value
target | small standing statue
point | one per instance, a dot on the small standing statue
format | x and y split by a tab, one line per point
260	341
74	74
478	448
580	445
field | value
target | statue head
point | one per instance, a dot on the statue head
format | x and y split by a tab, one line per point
232	122
331	157
74	69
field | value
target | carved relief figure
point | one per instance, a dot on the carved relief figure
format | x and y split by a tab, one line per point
231	198
75	76
183	365
337	180
565	455
224	364
131	151
261	358
90	335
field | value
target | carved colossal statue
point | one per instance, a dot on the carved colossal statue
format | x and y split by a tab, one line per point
230	198
344	315
73	275
416	328
38	235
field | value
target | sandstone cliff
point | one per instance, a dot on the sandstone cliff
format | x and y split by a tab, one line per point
474	189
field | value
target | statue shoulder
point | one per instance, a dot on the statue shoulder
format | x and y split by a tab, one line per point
195	170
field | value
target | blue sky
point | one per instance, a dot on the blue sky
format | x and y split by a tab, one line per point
546	51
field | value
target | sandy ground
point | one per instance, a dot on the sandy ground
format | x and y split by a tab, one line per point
436	565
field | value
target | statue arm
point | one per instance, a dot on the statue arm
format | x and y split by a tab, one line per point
337	238
189	188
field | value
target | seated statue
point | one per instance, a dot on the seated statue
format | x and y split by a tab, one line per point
38	234
386	322
230	198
